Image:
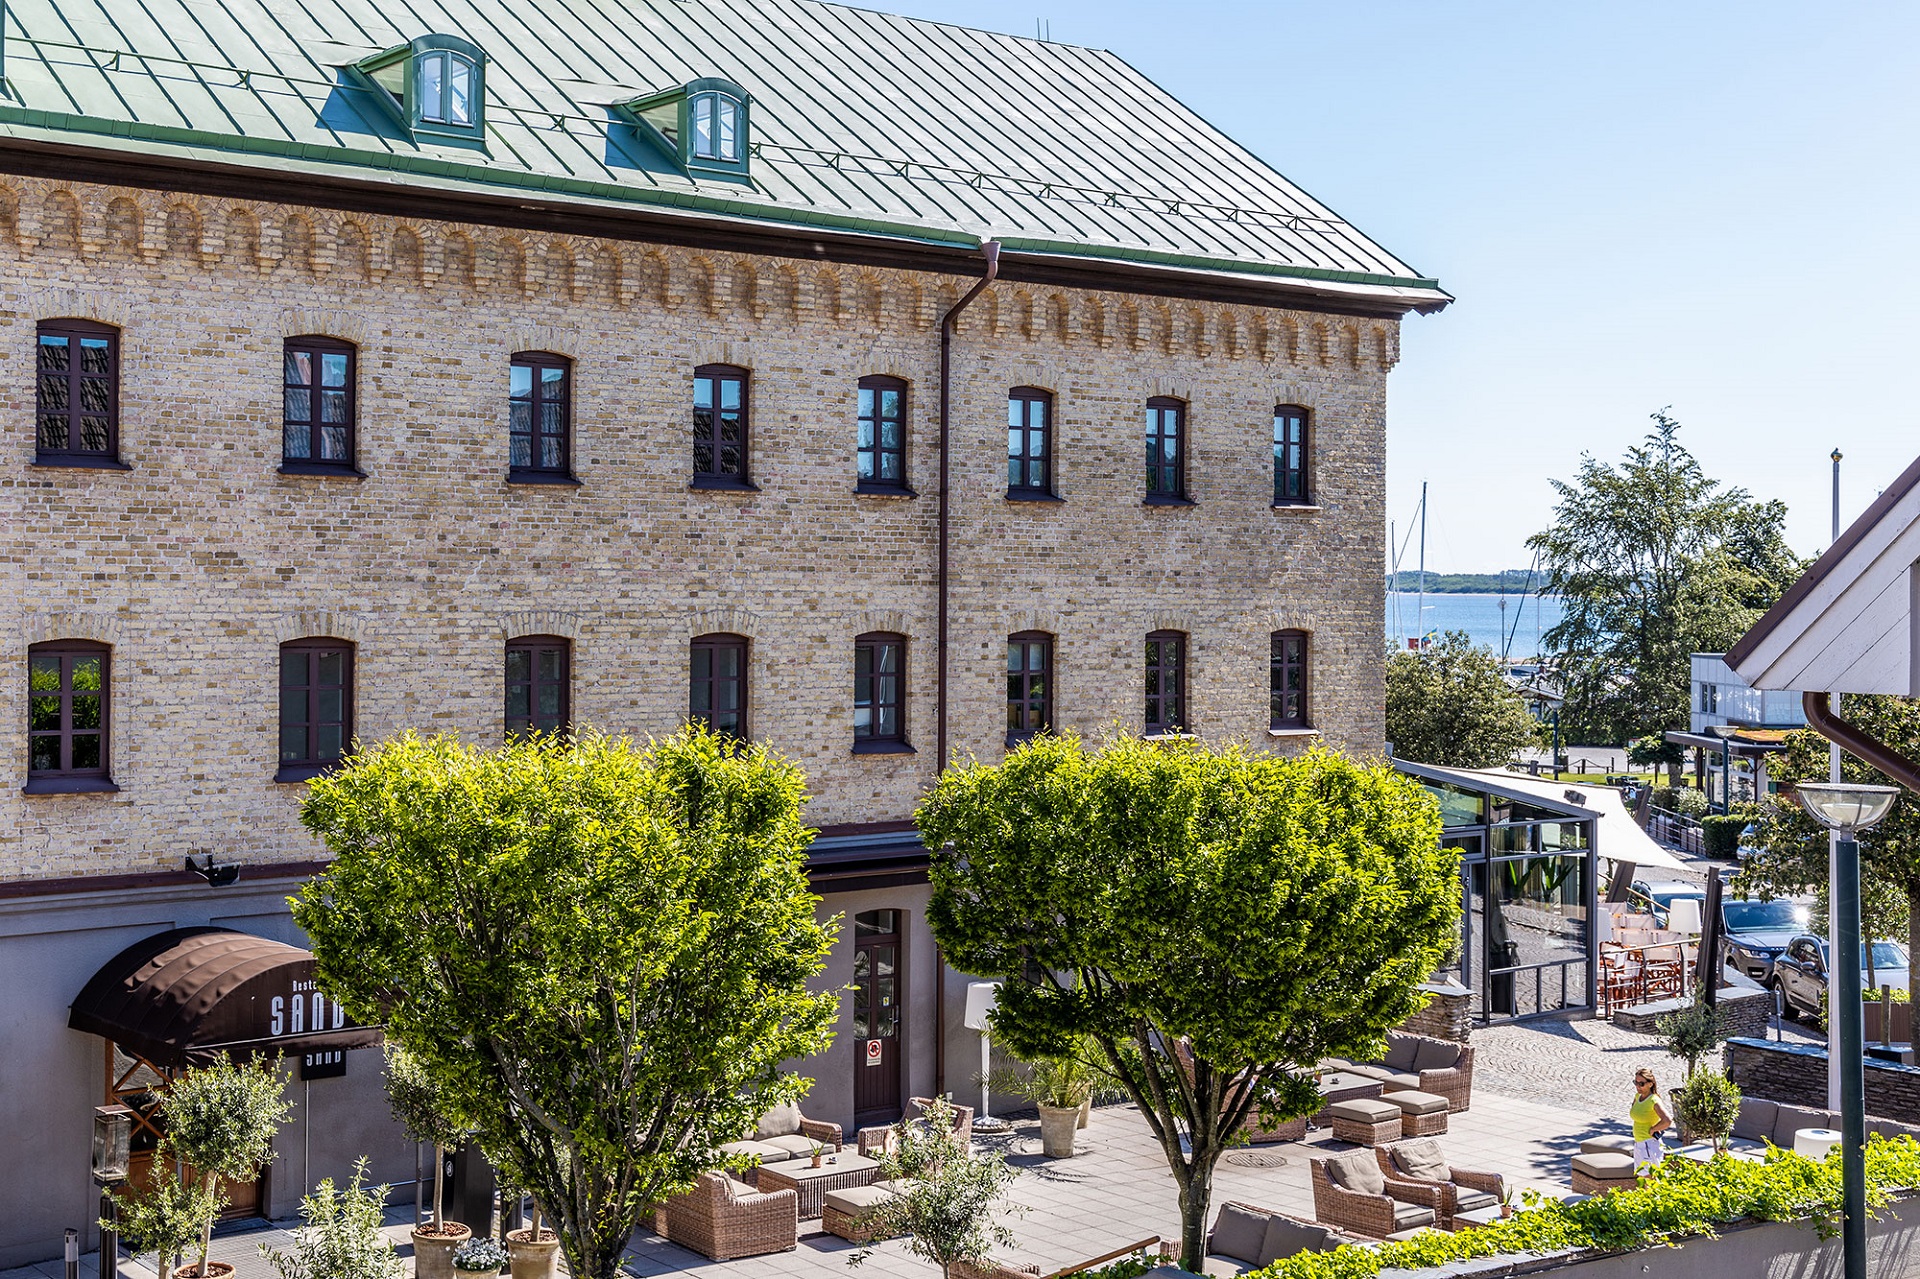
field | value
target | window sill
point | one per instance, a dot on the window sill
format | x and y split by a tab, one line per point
558	478
1304	507
332	470
895	491
1014	740
723	484
69	786
1161	499
302	772
883	748
1293	732
1180	736
1031	495
84	461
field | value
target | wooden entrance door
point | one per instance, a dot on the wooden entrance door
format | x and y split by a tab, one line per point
877	1022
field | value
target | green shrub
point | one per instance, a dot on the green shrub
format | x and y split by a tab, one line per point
1684	800
1721	835
339	1234
1707	1106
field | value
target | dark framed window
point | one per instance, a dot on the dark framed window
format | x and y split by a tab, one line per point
77	394
318	405
720	427
67	711
717	683
1166	450
879	691
316	707
1166	682
1029	442
882	455
539	685
1029	685
539	416
1289	680
1290	456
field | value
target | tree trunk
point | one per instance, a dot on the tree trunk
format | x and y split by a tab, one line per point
210	1180
439	1166
1194	1200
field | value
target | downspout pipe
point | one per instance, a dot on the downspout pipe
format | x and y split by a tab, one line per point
1858	742
990	250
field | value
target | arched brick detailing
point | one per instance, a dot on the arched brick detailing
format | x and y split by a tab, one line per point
540	622
303	321
315	624
101	628
721	621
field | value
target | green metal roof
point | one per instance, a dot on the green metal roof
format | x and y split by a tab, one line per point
860	121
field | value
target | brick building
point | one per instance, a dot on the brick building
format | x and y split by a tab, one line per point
359	376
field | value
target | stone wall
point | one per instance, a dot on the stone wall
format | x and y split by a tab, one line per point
197	561
1747	1011
1797	1074
1448	1015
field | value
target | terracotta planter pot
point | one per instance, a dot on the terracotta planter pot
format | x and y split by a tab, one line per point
532	1258
1057	1125
215	1270
433	1253
1086	1112
476	1274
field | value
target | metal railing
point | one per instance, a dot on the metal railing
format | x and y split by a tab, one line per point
1676	830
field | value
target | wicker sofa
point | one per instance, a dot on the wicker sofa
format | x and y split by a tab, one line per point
1247	1238
1420	1064
1461	1189
1760	1121
724	1218
781	1134
1352	1195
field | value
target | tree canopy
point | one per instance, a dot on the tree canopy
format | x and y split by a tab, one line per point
1215	921
1450	704
599	952
1655	562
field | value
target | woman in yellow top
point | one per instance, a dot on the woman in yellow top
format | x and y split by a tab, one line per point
1650	1119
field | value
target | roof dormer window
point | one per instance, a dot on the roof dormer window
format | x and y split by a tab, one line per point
433	86
700	126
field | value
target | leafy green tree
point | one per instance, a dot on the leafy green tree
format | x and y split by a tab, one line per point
1215	921
339	1234
946	1213
220	1121
1655	562
1451	705
1654	752
416	1102
599	953
168	1216
1792	847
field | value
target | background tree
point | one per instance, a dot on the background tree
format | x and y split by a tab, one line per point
416	1102
1792	847
947	1211
1450	704
599	953
167	1216
1654	562
1213	920
1654	752
220	1122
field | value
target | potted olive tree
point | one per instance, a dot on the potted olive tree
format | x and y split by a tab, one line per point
339	1235
421	1109
947	1195
534	1251
167	1217
1707	1107
220	1122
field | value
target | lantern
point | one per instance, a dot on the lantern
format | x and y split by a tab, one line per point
112	1142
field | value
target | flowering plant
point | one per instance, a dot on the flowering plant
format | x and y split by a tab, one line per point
479	1254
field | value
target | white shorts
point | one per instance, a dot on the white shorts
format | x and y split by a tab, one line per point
1647	1154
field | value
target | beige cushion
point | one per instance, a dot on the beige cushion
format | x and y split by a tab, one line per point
1237	1232
1436	1054
855	1200
794	1147
1410	1216
1411	1101
1400	1052
1365	1110
1287	1237
1358	1171
765	1151
1605	1166
1755	1121
781	1121
1395	1079
1422	1160
1465	1200
1607	1146
1217	1267
1399	1236
1787	1120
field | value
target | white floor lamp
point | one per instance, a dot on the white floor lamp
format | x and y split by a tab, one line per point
981	999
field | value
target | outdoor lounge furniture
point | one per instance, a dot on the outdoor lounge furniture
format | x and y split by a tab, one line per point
872	1141
1246	1238
784	1133
1422	1064
846	1212
724	1218
1365	1121
1602	1173
1352	1194
1422	1114
812	1184
1462	1190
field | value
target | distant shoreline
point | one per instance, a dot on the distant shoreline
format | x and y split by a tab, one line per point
1511	582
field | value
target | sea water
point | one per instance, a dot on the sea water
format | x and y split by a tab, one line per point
1514	631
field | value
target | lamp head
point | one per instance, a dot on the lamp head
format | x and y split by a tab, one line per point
1724	732
1684	915
1846	807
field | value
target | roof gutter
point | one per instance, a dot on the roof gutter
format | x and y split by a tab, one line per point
1857	742
990	250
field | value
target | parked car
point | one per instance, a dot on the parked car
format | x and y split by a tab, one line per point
1801	970
1660	895
1749	845
1757	931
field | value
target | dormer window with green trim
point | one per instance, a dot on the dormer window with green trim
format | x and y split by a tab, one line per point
700	126
433	86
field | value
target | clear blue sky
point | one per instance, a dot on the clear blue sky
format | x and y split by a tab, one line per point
1712	206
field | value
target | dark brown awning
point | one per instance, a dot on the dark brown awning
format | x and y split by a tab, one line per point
193	995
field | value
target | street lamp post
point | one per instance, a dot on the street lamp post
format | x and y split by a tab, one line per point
1848	809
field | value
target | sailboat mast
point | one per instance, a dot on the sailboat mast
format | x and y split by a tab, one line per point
1420	618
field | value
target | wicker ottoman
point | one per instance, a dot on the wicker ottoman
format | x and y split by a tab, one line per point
844	1212
1422	1114
1602	1172
1364	1121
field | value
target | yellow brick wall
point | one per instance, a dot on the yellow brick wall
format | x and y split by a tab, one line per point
201	559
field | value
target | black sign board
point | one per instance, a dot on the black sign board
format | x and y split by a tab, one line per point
323	1063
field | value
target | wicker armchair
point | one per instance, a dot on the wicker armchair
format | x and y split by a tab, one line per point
871	1141
1457	1180
1454	1083
1374	1216
723	1219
